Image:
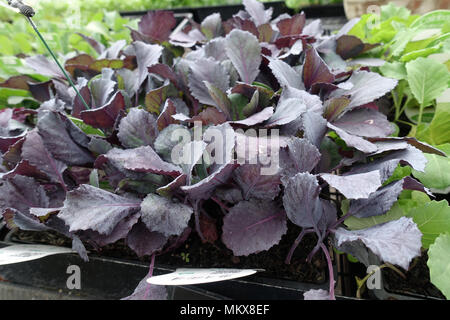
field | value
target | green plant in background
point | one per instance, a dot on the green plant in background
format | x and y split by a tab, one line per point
417	53
296	4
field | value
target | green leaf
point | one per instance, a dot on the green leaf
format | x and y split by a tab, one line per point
433	219
428	79
399	173
434	19
86	128
437	172
437	133
395	70
391	10
420	53
439	263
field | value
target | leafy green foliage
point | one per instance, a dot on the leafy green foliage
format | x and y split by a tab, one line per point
439	263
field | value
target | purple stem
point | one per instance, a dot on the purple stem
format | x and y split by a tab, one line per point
330	270
220	203
197	221
150	274
296	243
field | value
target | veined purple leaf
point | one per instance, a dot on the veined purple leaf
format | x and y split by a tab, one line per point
41	91
244	51
143	241
312	102
212	72
137	129
211	26
365	123
165	72
142	159
187	40
315	69
256	185
191	154
65	141
146	56
287	111
44	66
396	242
355	186
354	141
220	99
24	168
286	75
34	151
164	216
77	105
253	226
256	10
241	24
367	87
157	25
348	46
210	116
146	291
382	200
314	29
22	193
106	116
292	26
91	208
167	190
300	156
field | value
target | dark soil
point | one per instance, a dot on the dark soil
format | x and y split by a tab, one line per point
195	254
417	280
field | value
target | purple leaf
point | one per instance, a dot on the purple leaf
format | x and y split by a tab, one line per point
22	193
157	25
204	189
220	99
121	231
142	159
164	216
138	129
286	75
212	26
365	123
424	147
216	49
355	186
253	226
102	88
34	151
244	51
17	219
315	69
143	241
354	141
335	107
292	26
154	99
256	118
300	156
348	46
77	105
241	24
166	72
314	127
91	208
367	87
44	66
256	10
396	242
98	47
382	200
65	141
41	91
167	190
287	111
146	56
165	118
147	291
302	203
256	185
212	72
106	116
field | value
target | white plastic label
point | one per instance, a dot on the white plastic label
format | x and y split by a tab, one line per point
198	276
27	252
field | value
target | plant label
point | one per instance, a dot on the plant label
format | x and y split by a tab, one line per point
27	252
198	276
